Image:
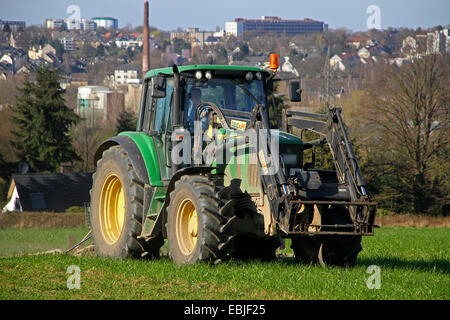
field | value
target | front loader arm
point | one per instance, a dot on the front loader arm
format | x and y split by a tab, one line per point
335	134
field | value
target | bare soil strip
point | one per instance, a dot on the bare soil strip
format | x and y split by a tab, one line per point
20	220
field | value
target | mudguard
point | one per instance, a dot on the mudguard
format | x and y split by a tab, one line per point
133	152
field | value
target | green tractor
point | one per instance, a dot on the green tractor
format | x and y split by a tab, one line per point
206	171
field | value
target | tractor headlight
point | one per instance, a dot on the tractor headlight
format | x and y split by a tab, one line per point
208	75
198	75
258	75
249	76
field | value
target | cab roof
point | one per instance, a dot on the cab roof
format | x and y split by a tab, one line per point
169	70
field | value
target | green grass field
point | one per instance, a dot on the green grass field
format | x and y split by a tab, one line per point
414	264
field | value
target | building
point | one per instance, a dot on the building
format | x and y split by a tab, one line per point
79	79
14	59
99	104
106	22
68	43
48	192
194	36
92	103
363	53
125	74
288	67
446	33
269	24
71	24
409	45
127	41
13	25
436	41
41	53
336	63
54	24
234	28
357	41
88	25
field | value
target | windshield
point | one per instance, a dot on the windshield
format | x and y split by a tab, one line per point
231	94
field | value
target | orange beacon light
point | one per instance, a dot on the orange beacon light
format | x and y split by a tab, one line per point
274	61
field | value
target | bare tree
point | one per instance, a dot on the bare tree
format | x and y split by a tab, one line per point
411	114
86	140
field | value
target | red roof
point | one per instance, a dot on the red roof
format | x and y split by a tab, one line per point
358	39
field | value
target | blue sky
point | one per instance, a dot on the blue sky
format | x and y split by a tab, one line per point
207	14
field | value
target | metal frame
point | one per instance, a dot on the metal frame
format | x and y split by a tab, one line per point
364	227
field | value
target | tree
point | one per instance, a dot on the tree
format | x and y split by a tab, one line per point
180	44
43	122
86	141
6	28
221	56
411	117
59	48
126	122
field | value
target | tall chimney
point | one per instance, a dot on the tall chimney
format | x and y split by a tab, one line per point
146	49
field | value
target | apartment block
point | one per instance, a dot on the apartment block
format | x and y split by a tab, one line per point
272	24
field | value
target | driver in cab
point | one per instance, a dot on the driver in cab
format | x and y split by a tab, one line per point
195	98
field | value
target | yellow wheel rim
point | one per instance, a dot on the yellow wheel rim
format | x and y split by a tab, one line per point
187	227
112	209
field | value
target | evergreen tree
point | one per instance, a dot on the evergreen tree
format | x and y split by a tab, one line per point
126	122
6	28
43	122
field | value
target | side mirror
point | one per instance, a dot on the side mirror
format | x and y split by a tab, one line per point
295	93
158	87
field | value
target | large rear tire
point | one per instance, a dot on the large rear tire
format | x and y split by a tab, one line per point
198	222
116	213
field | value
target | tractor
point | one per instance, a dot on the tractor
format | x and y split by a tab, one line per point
208	171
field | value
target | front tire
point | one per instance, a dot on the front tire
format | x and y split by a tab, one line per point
198	222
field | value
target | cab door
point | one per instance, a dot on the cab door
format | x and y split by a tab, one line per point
161	125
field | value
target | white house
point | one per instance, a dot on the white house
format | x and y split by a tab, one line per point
288	67
409	45
14	202
364	53
41	53
16	58
124	73
336	63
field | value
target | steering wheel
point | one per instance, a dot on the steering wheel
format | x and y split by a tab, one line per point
210	105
